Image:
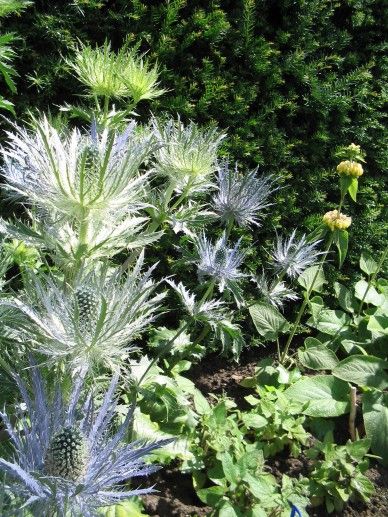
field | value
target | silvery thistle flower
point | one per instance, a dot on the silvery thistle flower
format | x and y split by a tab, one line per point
83	186
293	256
241	197
89	325
187	154
220	263
275	293
115	75
211	310
67	460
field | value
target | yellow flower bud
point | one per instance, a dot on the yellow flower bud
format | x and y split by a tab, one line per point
350	168
337	221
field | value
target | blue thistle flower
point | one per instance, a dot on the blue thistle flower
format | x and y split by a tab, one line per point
221	263
293	256
241	197
66	460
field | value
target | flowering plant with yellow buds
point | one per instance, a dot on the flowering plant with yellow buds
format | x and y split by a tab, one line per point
335	220
350	169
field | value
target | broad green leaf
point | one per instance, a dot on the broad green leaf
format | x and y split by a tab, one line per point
307	277
231	470
331	322
363	370
201	405
367	263
261	486
353	188
345	297
316	355
358	449
254	421
327	396
268	321
341	239
211	495
227	510
375	412
370	295
345	182
378	323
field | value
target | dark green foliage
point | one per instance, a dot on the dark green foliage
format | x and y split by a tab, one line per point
290	80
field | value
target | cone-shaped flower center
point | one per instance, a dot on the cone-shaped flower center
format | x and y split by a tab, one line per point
67	455
87	302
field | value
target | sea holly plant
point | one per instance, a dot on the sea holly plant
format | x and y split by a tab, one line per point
301	259
65	462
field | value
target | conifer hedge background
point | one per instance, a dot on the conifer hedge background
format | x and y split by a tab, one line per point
290	80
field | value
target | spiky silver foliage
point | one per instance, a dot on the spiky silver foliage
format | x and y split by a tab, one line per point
241	197
67	461
211	310
221	263
187	154
293	256
275	293
93	324
86	189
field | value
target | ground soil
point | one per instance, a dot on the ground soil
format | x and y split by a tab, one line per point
176	496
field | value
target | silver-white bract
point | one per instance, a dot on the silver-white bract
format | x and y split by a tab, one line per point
109	462
77	173
275	293
123	305
221	263
241	197
187	154
293	256
211	310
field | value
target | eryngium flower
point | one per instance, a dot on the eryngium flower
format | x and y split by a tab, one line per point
221	263
275	293
187	154
211	310
93	324
336	220
116	76
241	197
293	256
78	175
67	460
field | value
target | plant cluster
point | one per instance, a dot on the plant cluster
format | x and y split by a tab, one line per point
140	249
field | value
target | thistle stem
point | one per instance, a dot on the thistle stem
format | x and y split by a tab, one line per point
306	301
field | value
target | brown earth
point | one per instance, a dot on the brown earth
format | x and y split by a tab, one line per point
176	496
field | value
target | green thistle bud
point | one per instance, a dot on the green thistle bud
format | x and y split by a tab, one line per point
87	303
67	456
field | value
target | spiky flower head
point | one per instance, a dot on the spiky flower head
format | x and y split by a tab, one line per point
76	174
220	263
86	188
241	197
275	293
67	460
336	220
187	154
206	310
350	168
91	325
115	75
293	256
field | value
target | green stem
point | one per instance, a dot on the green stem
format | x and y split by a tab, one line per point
372	278
229	227
163	352
305	301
